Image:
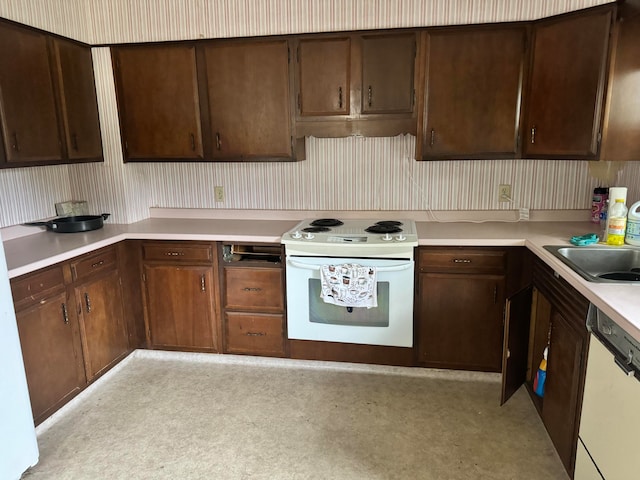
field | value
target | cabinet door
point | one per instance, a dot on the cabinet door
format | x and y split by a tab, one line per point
249	102
180	307
158	102
621	141
516	343
79	102
567	86
387	73
52	354
104	335
562	388
473	86
28	106
460	321
324	76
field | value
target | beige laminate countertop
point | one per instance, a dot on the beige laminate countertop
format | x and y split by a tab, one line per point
620	301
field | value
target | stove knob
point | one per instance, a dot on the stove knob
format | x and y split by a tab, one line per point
296	234
387	237
401	238
309	236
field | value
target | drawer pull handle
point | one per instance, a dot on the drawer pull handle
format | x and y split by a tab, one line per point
533	135
65	314
461	260
202	284
252	289
255	334
87	302
218	141
97	264
340	97
370	95
174	254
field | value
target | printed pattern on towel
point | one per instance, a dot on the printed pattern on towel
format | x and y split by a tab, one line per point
349	285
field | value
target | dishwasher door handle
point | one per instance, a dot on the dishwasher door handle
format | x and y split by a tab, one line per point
625	367
396	268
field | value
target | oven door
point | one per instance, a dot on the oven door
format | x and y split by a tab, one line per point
310	318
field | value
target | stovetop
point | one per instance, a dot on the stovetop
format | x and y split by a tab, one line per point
337	237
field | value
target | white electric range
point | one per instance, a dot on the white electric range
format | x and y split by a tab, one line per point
382	246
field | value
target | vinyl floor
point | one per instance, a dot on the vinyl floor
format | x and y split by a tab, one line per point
164	415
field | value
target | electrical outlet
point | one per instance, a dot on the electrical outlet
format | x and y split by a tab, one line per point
504	193
219	193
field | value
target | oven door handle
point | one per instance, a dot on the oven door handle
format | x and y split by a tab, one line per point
395	268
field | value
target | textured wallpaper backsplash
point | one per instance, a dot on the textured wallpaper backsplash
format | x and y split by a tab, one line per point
349	173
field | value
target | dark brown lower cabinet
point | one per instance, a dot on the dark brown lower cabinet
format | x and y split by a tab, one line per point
558	314
180	307
50	339
252	296
179	287
459	309
563	390
461	321
52	353
254	333
102	326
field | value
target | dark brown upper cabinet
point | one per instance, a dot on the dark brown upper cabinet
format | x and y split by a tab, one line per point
79	104
48	103
388	65
356	84
249	100
472	93
158	102
621	141
324	72
30	125
566	92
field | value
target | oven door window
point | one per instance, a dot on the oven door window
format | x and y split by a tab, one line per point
327	313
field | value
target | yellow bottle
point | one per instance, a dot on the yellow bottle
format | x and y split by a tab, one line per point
617	223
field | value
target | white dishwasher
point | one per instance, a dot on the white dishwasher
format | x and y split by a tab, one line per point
610	421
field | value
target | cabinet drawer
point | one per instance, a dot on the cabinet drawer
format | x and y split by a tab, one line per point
258	289
177	252
254	334
101	261
463	260
31	288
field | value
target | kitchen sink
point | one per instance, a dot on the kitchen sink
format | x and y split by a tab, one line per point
601	263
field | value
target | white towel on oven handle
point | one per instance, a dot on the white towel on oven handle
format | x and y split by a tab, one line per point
349	285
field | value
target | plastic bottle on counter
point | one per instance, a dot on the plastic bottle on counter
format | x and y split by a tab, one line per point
598	202
632	237
603	221
617	223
